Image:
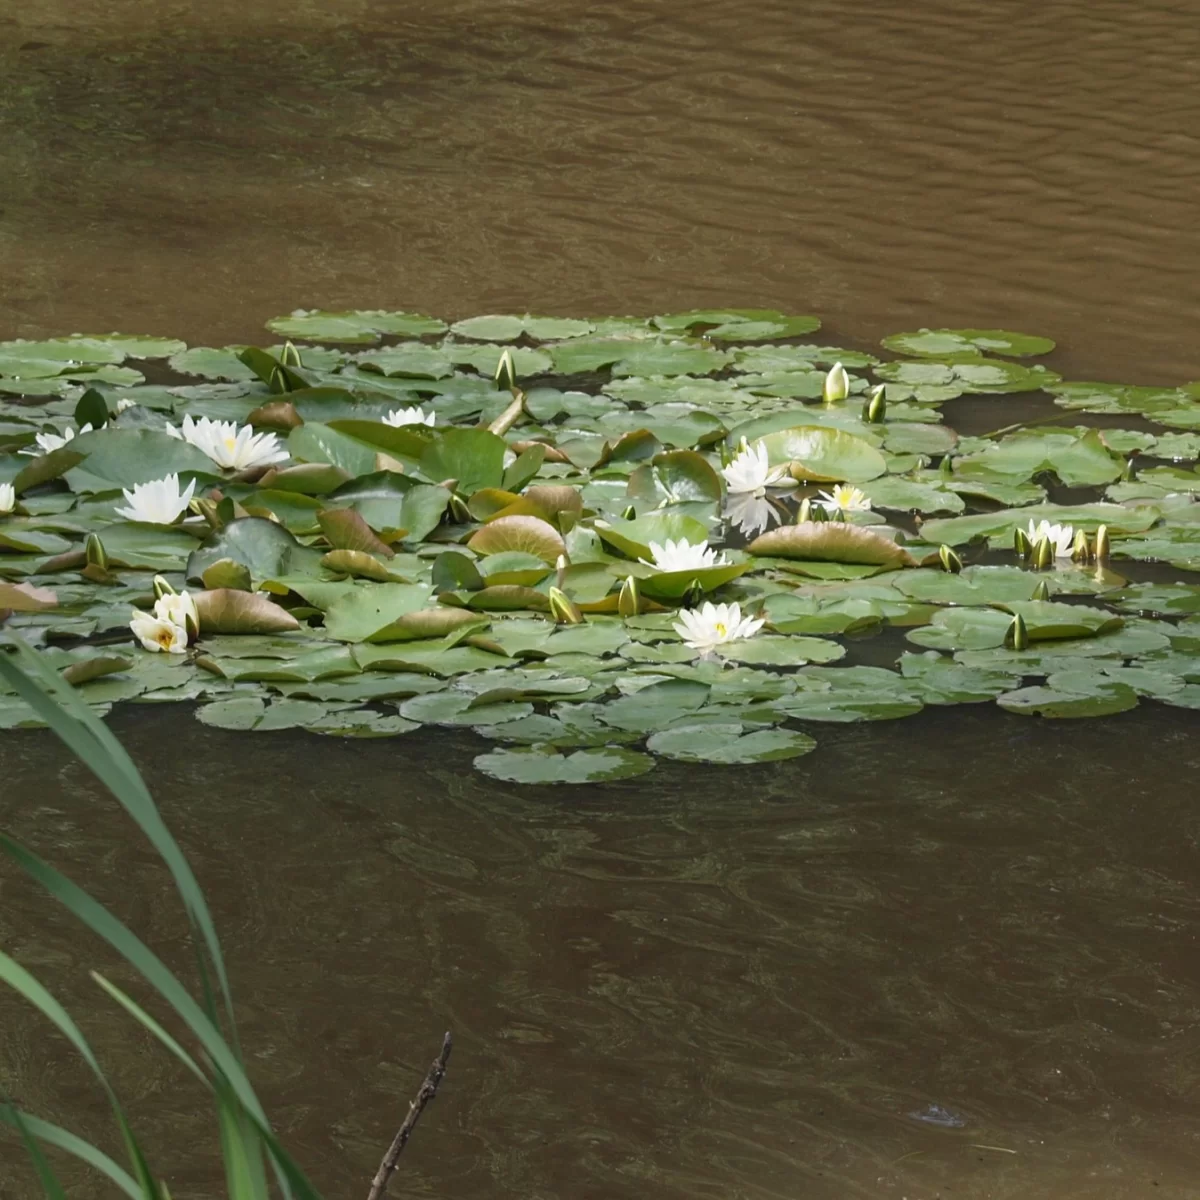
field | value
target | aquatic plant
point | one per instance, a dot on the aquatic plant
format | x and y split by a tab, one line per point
497	524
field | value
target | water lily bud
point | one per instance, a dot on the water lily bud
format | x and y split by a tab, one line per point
289	355
560	570
1043	554
162	588
1017	637
1080	550
95	553
506	372
875	408
1021	543
950	560
208	510
1101	547
1130	472
459	510
563	609
946	466
629	598
278	382
818	512
1042	591
693	597
837	384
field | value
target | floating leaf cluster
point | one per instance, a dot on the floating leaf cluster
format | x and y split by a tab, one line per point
594	542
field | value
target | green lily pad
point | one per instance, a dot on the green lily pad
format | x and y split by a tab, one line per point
653	358
267	550
245	713
209	363
823	454
361	723
956	531
370	608
359	326
548	766
729	743
671	585
943	681
1101	700
936	343
847	694
633	538
121	458
968	374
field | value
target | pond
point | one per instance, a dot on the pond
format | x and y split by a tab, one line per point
946	955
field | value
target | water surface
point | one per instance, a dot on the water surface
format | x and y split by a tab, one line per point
774	983
950	956
193	170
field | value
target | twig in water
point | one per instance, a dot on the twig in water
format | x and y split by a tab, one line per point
428	1090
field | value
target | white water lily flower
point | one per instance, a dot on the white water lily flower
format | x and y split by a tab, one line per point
46	442
8	498
683	556
844	498
750	472
837	384
156	634
177	608
159	502
1061	537
228	446
125	404
715	624
409	416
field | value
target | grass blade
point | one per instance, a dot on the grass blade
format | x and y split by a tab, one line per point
132	1007
45	1173
97	918
93	743
64	1139
27	986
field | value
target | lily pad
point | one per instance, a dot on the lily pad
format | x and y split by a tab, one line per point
815	452
831	541
358	326
548	766
936	343
729	743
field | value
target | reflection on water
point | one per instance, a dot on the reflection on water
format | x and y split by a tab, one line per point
961	963
193	169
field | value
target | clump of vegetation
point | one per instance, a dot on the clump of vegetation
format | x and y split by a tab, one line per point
582	537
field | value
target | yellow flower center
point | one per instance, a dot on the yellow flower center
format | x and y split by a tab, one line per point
722	629
164	638
229	443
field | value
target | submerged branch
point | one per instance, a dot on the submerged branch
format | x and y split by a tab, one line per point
427	1091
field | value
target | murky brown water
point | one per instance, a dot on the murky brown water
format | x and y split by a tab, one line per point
193	169
719	986
739	985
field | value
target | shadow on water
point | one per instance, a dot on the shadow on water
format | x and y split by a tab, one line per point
948	956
